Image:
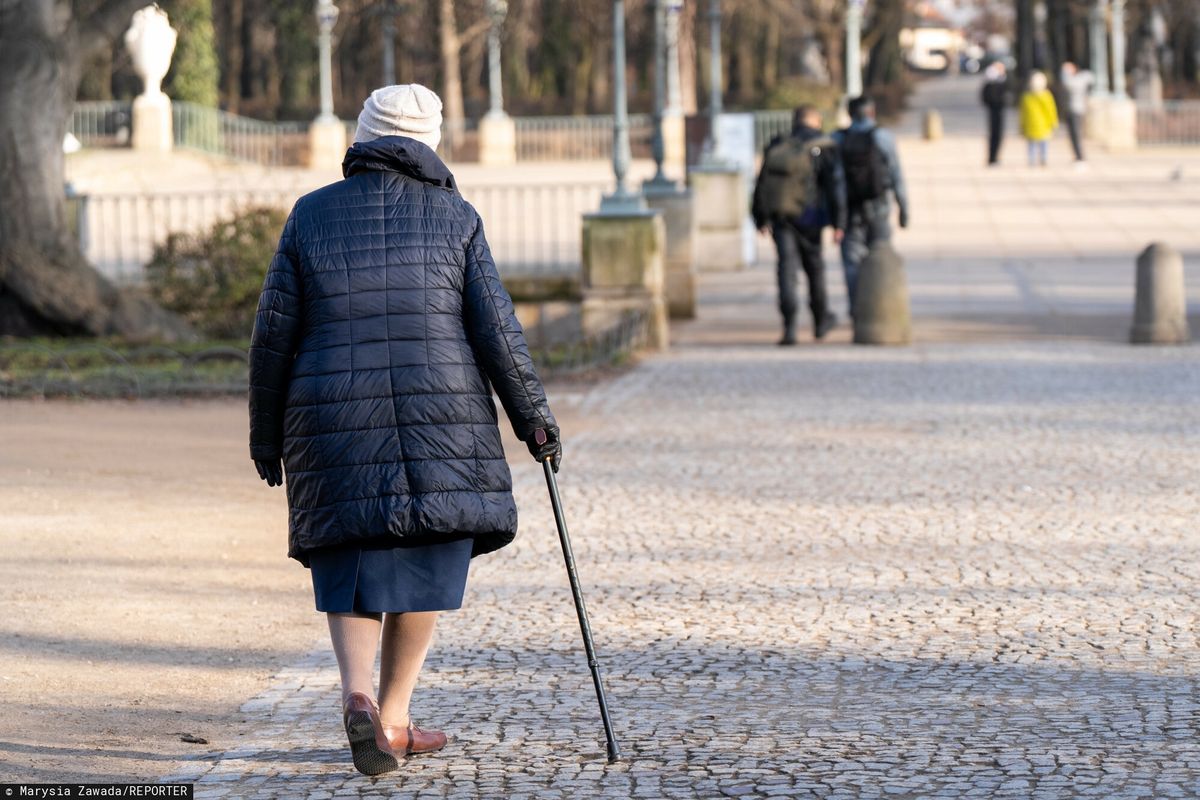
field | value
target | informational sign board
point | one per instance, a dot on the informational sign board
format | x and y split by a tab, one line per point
736	146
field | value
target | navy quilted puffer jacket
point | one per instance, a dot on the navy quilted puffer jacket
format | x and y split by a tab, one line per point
381	330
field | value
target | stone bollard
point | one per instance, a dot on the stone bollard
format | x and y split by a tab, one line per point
881	312
1160	307
679	223
623	271
931	126
721	205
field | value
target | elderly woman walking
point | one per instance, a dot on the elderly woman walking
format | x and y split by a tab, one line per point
381	332
1039	118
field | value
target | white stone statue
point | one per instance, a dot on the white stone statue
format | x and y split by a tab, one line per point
151	42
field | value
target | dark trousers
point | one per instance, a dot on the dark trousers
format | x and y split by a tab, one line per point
995	134
866	224
799	247
1075	128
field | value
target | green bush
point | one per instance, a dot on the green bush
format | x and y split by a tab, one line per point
213	279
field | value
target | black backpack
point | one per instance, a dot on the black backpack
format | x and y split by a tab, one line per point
866	169
789	176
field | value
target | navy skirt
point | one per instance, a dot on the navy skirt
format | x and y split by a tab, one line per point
391	579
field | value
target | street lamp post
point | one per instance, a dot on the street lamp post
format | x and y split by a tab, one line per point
1118	48
327	14
1099	42
388	33
854	15
621	200
714	79
497	9
660	89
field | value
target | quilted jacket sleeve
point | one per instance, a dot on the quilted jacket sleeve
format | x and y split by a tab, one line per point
273	344
499	343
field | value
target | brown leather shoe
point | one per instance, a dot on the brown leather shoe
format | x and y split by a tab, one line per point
369	745
412	739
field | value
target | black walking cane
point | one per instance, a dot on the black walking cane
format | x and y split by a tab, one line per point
614	751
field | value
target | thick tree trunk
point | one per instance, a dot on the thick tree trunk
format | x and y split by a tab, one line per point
46	285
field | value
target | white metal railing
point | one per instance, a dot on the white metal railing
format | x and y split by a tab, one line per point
104	123
1171	122
579	137
534	229
562	138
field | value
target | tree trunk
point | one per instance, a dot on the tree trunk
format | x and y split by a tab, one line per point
452	91
688	59
46	285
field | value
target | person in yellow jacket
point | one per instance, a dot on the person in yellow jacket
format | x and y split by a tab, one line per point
1039	118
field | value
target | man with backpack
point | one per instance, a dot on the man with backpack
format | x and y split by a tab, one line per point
872	168
800	190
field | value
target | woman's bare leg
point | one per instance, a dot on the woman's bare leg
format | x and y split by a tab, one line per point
406	639
355	640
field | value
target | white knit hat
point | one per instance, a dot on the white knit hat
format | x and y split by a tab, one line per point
408	110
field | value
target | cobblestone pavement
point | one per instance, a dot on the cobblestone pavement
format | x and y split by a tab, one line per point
829	572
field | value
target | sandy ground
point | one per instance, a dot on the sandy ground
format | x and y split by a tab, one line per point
145	584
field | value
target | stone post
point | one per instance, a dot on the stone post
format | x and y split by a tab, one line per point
679	228
151	43
623	271
881	310
1160	306
720	203
931	125
497	131
326	134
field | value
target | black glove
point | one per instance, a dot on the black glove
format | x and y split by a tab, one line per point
904	218
543	443
271	471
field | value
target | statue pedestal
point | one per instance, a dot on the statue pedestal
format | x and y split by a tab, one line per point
623	271
153	130
497	140
674	145
1122	125
720	204
326	144
679	223
1095	127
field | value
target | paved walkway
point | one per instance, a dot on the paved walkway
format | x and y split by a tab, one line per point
952	570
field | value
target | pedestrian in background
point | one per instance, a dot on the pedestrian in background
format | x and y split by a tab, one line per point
873	176
381	332
1039	118
801	190
1077	85
994	96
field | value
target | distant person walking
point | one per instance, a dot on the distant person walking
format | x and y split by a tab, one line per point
873	176
995	99
800	190
1039	118
1077	85
381	333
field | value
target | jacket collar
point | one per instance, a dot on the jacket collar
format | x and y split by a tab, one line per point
398	154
